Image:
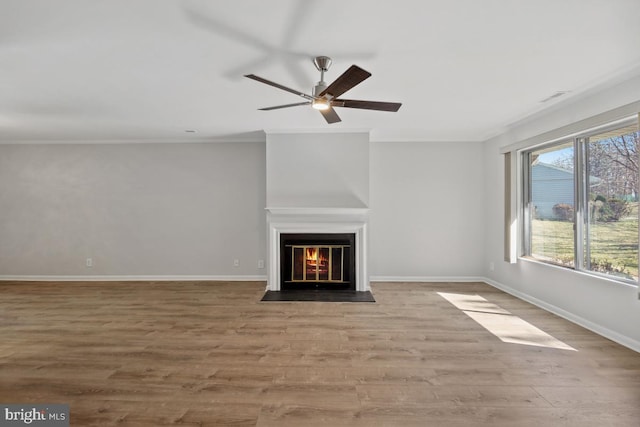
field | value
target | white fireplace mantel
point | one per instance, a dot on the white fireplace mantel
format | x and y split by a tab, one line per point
317	220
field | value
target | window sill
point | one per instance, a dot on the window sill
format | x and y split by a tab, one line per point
628	283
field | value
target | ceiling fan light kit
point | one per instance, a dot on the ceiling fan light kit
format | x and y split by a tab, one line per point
325	97
321	104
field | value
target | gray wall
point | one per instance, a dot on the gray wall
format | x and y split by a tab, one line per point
427	217
315	170
135	209
162	210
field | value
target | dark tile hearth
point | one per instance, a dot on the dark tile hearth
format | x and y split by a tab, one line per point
319	295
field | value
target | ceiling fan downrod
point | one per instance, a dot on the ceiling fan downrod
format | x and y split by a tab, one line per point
322	63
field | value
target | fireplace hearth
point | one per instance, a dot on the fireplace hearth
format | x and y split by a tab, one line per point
317	261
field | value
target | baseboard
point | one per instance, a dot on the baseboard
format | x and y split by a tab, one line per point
426	279
587	324
112	278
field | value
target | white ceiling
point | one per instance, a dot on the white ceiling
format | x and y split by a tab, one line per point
152	69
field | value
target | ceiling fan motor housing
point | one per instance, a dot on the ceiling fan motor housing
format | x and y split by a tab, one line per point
317	89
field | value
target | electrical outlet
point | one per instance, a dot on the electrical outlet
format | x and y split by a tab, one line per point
89	262
260	263
236	263
492	266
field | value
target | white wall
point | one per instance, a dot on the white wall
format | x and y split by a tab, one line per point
318	170
607	307
135	209
426	217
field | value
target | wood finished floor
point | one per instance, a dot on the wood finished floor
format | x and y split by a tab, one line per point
211	354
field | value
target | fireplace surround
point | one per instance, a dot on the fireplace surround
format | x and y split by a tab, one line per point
338	233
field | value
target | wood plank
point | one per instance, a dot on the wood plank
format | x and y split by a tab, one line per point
209	353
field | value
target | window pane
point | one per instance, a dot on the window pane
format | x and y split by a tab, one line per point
551	207
612	214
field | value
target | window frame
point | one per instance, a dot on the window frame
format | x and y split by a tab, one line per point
581	242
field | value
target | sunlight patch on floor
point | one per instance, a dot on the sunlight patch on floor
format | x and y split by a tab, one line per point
501	323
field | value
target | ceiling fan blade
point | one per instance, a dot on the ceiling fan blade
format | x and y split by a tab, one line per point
367	105
350	78
284	106
330	115
279	86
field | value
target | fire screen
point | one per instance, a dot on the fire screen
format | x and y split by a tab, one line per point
317	260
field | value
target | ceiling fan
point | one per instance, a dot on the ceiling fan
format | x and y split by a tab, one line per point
325	97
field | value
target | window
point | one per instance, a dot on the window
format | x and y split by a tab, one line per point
581	202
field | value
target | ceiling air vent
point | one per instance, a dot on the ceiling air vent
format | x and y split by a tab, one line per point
558	94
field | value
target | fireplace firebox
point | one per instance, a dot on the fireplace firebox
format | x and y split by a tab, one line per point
317	261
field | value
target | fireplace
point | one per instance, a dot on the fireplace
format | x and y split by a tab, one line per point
317	261
340	232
